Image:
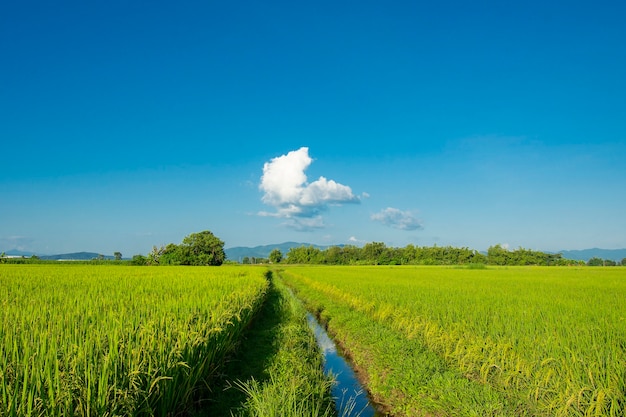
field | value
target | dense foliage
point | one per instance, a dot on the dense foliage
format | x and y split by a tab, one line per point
377	253
515	341
203	248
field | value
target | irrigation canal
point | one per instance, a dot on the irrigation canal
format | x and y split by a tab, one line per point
350	397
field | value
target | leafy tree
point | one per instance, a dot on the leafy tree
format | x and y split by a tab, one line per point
623	262
245	260
171	255
154	257
375	253
139	260
276	256
304	255
595	261
118	256
497	255
203	248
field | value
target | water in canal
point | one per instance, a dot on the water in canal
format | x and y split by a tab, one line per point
350	397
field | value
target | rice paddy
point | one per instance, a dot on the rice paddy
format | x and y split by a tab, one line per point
101	340
96	340
545	341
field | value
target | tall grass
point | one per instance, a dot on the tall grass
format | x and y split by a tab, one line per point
103	340
551	341
293	383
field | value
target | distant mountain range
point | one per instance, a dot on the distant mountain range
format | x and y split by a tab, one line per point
239	252
585	254
75	256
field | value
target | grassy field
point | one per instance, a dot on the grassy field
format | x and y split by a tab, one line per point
95	340
547	341
107	340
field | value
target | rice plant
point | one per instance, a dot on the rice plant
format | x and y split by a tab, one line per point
547	341
103	340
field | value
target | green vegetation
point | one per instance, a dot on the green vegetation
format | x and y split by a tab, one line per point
276	256
89	340
377	253
203	248
470	339
491	342
85	340
278	370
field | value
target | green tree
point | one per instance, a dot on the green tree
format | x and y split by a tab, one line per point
276	256
118	256
203	248
138	260
170	255
375	253
304	255
595	261
333	255
154	257
623	262
498	255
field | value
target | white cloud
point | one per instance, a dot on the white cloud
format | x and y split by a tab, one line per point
285	187
398	219
353	239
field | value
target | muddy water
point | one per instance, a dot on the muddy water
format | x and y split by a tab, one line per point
350	396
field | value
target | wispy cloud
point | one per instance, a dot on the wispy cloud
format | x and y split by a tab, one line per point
398	219
285	187
21	243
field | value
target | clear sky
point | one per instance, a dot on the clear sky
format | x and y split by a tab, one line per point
125	125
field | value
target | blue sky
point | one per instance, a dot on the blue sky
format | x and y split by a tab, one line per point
125	125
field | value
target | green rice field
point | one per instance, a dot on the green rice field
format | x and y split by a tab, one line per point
516	341
107	340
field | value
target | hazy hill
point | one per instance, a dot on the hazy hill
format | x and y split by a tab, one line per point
76	256
239	252
586	254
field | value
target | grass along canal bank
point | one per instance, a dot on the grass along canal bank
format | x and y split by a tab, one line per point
277	369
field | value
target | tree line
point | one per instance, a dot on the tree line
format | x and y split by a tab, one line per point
377	253
204	248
